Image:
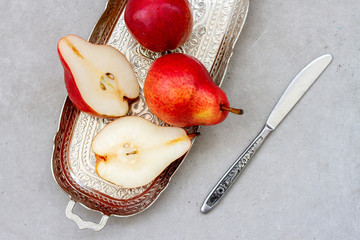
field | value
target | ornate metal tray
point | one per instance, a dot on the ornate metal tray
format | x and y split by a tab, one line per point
217	26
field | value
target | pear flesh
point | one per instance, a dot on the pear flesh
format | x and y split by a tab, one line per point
99	79
131	151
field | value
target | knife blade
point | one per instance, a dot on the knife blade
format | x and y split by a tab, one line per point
296	89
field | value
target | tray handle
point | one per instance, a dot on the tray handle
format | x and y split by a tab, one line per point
81	223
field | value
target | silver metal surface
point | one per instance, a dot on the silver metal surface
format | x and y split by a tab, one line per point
80	222
297	88
217	26
212	20
234	171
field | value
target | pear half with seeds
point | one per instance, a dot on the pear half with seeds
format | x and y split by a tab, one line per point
99	79
131	151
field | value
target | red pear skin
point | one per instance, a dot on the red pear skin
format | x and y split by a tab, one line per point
179	90
111	59
73	91
159	25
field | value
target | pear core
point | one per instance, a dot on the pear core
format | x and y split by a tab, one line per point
131	151
99	79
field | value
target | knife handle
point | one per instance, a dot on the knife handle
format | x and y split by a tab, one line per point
234	171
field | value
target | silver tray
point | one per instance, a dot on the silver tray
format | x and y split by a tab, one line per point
217	26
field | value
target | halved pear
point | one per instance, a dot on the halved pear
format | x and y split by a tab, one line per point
99	79
131	151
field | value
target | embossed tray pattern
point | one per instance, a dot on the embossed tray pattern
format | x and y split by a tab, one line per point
217	25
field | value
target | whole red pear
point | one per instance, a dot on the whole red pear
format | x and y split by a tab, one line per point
179	90
159	25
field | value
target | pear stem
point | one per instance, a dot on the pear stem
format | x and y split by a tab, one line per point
232	110
193	135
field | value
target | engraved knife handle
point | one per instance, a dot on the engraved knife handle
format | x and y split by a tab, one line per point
234	171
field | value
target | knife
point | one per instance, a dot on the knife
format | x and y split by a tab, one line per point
297	88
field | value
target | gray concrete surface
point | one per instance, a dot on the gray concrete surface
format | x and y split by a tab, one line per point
304	183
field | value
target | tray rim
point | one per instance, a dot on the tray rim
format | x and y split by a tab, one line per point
100	34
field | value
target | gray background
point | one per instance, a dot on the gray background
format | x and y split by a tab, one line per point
302	184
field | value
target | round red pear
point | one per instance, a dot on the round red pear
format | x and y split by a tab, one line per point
159	25
179	90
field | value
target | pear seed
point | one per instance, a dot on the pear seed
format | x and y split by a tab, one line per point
102	86
131	153
109	75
